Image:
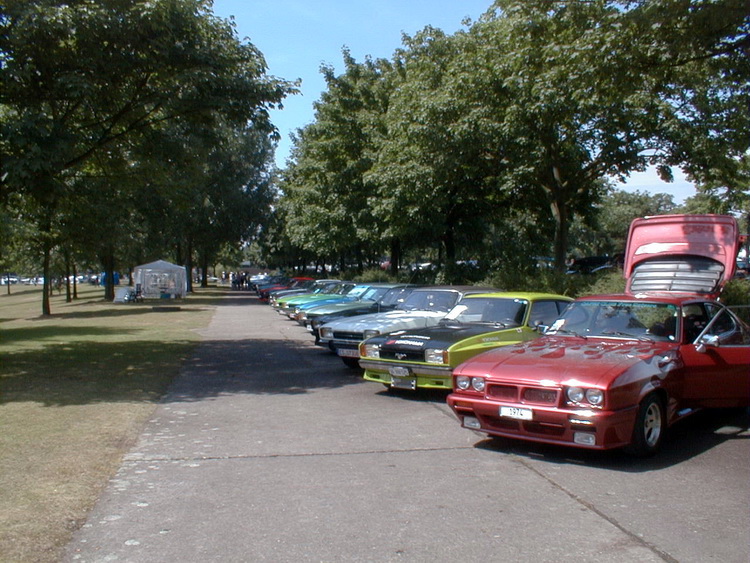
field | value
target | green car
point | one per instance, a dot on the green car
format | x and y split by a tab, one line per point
425	358
334	291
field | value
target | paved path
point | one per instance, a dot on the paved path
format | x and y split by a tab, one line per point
269	449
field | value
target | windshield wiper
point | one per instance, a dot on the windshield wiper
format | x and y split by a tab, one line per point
644	337
567	331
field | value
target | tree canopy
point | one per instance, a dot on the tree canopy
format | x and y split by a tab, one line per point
96	96
529	114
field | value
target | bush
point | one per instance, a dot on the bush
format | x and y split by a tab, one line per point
736	296
542	280
611	282
373	275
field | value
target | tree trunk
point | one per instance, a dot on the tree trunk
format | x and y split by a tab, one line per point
108	261
68	293
559	210
47	287
395	256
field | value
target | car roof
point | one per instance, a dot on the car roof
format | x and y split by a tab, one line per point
530	295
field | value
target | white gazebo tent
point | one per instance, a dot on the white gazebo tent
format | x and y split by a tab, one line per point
160	280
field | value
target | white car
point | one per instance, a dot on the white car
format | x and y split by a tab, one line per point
423	308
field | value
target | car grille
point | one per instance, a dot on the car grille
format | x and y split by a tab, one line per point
353	336
526	426
521	394
404	355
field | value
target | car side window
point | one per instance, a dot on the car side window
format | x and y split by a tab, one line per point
728	330
544	312
694	320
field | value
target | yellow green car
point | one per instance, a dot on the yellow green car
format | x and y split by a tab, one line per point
425	358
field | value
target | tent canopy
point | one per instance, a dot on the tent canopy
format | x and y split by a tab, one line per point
161	279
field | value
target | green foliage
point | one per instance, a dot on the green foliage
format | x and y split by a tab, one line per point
736	292
134	128
605	232
530	111
371	275
610	282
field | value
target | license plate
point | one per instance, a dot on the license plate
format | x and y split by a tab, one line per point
348	352
399	371
515	412
403	382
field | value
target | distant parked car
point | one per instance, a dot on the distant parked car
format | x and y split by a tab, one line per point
379	299
424	307
617	370
291	283
287	305
425	358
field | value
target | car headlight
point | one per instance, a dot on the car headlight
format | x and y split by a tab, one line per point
435	356
370	332
581	396
326	332
465	383
369	350
595	397
575	394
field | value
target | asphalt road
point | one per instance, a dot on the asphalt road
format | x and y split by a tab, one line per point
268	448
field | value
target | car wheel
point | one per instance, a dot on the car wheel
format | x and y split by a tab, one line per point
351	362
650	425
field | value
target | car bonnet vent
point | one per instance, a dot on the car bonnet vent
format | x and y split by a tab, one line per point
679	274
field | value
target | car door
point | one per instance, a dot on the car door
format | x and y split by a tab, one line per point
717	363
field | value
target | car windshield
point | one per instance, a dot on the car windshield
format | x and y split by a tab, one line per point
358	291
439	301
373	293
396	296
328	287
487	310
618	319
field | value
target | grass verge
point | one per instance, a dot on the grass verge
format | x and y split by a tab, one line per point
75	389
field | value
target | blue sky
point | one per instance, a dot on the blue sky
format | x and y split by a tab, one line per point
297	36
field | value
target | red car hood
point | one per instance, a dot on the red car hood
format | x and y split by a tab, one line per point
562	360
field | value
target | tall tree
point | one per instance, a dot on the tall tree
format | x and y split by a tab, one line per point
590	90
431	171
79	77
326	193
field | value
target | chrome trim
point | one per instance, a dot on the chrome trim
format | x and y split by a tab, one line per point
419	369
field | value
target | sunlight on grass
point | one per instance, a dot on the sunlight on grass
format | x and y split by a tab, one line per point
75	389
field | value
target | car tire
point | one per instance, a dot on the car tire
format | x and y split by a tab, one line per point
650	426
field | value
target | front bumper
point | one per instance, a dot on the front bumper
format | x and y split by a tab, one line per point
407	375
599	430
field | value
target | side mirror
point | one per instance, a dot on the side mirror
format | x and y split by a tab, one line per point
539	327
705	341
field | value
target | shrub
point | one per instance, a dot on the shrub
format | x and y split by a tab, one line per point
736	296
373	275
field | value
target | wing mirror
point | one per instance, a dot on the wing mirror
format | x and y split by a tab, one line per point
705	341
539	327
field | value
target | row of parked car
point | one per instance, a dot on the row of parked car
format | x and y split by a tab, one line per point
600	372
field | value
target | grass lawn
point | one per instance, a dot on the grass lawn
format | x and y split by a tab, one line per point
75	390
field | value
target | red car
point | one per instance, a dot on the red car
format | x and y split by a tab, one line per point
617	370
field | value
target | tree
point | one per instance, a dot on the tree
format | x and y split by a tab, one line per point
81	78
326	194
605	231
433	181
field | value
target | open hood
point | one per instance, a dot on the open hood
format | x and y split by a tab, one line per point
692	254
